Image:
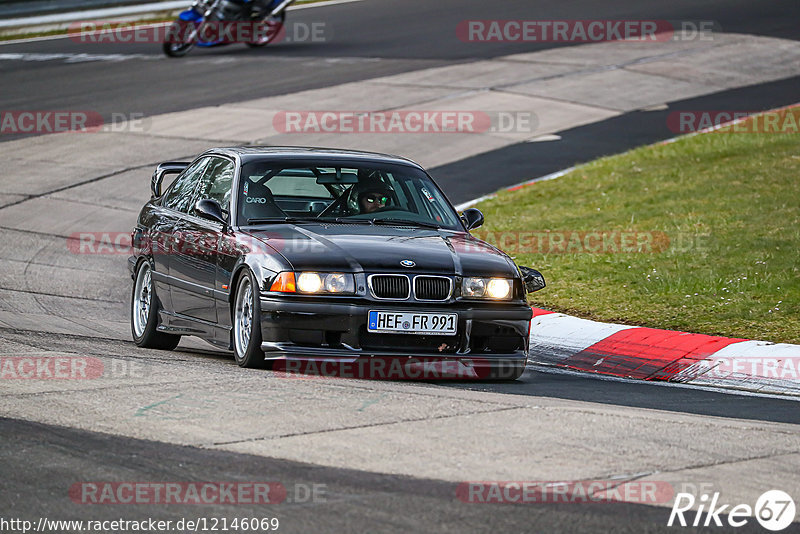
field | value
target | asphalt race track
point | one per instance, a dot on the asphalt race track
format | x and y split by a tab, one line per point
389	456
366	40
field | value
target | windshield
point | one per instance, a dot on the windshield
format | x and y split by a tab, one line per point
358	194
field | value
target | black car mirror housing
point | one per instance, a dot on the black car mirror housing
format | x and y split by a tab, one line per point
533	279
210	209
473	218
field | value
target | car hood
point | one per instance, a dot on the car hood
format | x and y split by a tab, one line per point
364	248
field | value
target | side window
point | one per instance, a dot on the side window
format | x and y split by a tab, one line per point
181	192
217	181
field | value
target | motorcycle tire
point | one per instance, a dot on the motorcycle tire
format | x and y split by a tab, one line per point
188	40
276	25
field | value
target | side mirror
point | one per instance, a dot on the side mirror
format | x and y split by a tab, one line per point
210	209
533	279
172	167
473	218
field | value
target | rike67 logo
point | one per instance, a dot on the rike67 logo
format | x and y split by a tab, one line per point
774	510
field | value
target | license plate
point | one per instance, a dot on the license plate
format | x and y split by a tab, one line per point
390	322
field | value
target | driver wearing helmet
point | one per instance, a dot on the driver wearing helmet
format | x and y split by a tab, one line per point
373	195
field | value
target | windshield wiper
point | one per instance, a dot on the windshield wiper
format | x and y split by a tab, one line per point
347	220
405	222
344	220
281	220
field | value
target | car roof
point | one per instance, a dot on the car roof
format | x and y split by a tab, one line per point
278	153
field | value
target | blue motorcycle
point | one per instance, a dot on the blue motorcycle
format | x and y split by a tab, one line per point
219	22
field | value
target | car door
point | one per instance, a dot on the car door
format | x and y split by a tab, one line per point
193	268
174	206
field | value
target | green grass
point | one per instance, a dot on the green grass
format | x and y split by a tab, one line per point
28	35
12	36
730	205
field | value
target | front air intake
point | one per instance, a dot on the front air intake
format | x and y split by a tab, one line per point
390	286
432	288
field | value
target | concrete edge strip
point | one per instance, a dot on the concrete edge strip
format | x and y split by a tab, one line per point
664	355
641	353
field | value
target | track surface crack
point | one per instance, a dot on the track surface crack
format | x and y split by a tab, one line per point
371	425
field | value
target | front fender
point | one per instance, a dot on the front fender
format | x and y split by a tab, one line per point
263	273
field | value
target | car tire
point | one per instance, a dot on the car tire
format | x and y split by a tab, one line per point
144	312
246	322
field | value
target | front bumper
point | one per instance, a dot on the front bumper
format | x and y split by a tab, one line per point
488	336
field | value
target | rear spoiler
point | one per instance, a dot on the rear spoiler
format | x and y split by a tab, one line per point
170	167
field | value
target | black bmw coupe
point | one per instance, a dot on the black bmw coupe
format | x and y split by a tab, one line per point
284	254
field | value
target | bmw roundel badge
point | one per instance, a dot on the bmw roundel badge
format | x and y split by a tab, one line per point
407	263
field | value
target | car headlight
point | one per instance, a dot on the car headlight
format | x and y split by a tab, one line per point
336	283
314	283
473	287
309	283
487	288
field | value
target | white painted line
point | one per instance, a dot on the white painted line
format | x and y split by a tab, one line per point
655	107
470	203
551	176
544	138
75	58
321	4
